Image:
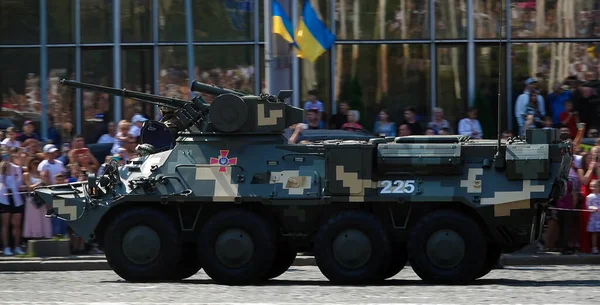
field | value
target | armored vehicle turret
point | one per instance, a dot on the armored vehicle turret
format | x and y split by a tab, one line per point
231	195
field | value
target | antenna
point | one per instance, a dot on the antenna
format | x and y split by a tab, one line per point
499	157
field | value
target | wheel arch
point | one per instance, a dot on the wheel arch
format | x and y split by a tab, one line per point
112	212
463	208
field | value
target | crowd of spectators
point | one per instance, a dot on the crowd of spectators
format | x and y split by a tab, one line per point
29	161
385	125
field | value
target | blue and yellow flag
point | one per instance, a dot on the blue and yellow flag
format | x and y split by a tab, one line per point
282	24
312	35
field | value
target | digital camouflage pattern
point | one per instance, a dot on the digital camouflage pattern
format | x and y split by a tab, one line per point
246	163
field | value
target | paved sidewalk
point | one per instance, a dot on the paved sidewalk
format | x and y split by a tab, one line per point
98	262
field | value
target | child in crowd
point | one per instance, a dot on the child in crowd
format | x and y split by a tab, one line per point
121	136
593	203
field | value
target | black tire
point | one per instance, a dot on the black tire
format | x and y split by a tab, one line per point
284	258
256	231
367	228
468	265
189	264
398	260
157	269
494	251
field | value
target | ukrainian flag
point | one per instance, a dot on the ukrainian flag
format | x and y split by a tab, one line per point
312	36
282	24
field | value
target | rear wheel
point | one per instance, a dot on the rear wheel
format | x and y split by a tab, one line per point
142	244
447	247
352	248
237	247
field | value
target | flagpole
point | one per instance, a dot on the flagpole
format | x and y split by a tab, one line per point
268	45
295	62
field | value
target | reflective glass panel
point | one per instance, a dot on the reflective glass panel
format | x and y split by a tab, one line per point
96	66
96	21
20	22
392	77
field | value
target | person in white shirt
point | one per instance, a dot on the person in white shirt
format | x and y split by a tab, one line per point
50	167
11	201
470	126
110	136
137	121
523	101
11	138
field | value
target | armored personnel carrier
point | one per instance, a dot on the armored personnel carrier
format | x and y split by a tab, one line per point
218	187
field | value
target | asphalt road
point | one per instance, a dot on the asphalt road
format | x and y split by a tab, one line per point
304	286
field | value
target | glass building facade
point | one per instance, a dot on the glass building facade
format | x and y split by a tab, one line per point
388	54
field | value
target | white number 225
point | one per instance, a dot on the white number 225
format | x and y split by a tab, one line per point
397	186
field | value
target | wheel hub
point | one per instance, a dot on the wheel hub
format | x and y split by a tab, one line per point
445	248
352	249
234	248
141	245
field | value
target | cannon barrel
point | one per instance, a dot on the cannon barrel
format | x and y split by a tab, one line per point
151	98
214	90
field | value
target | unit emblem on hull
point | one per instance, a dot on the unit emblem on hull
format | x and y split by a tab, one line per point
223	160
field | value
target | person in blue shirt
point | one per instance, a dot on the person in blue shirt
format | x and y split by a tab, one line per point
560	94
384	126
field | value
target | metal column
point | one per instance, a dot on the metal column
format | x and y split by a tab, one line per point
117	58
278	64
507	78
332	58
295	62
155	61
255	13
189	30
78	108
268	47
43	70
470	54
432	56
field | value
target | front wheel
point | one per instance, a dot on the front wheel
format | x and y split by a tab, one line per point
142	244
447	247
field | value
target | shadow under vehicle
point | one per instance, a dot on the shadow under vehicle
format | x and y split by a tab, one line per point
230	195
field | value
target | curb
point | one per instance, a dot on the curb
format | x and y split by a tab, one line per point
98	263
57	264
549	259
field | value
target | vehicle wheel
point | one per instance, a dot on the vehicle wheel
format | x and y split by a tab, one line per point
237	247
284	258
142	245
494	251
447	247
352	248
189	264
398	260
